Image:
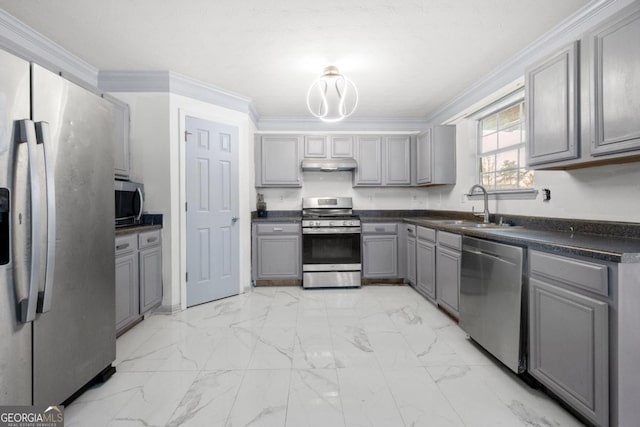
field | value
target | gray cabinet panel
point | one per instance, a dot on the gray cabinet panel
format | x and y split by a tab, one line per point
569	347
121	158
411	260
581	274
315	146
380	256
426	267
369	158
127	291
341	147
278	160
278	257
435	160
424	152
615	84
150	278
397	170
552	108
448	279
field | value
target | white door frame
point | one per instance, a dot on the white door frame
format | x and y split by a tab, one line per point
182	115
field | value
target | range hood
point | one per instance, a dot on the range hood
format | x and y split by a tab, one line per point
329	165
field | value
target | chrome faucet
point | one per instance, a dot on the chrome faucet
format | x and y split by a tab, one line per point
486	201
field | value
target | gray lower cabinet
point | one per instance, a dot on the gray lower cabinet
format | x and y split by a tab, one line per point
569	332
379	250
411	254
435	158
426	267
278	251
150	256
448	262
138	276
127	305
277	160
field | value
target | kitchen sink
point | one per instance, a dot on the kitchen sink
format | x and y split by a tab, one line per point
451	221
488	225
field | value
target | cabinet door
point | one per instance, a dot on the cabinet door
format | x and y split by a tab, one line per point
280	161
424	151
380	256
150	278
448	279
569	345
279	257
369	157
426	267
315	147
615	84
551	108
397	160
127	308
411	260
121	157
341	147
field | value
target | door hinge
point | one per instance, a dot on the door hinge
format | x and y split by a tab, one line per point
186	135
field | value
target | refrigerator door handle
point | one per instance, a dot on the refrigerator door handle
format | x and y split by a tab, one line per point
43	137
27	307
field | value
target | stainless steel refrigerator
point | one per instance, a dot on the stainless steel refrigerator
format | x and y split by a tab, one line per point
57	310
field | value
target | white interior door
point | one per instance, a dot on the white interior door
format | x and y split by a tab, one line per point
212	211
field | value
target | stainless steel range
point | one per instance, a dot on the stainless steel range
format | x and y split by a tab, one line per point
331	243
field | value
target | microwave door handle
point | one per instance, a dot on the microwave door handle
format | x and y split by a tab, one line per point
44	139
28	305
141	204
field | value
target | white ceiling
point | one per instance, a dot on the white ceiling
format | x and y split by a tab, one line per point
407	57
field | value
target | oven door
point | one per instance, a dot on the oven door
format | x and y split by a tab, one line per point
331	249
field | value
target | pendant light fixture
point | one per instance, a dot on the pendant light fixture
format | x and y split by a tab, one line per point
332	97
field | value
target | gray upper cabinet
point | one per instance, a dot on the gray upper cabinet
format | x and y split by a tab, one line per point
278	160
121	156
368	154
435	159
552	89
328	146
397	160
615	62
569	332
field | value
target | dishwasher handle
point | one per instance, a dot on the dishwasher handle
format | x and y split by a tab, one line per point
490	255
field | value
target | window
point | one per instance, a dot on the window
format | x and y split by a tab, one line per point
501	154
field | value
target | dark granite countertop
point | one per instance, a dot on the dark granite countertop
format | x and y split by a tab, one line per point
294	219
616	249
136	229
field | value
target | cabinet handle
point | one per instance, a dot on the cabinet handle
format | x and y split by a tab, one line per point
151	239
379	228
122	246
278	229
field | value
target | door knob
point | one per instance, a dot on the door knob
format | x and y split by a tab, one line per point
234	219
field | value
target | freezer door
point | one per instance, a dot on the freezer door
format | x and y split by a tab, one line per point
15	336
75	340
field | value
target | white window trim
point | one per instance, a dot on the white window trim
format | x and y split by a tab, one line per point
506	101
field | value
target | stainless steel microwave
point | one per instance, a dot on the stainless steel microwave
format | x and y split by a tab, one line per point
129	203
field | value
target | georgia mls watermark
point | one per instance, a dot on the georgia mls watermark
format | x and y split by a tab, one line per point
31	416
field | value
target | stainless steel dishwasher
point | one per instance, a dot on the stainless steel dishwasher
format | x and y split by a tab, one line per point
491	303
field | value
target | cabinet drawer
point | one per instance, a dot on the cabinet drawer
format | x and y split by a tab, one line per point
453	241
427	234
581	274
279	228
148	238
126	244
411	229
385	228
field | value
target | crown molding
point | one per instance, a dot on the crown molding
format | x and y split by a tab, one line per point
312	124
513	69
22	40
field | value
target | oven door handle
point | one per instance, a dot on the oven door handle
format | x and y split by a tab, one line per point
332	230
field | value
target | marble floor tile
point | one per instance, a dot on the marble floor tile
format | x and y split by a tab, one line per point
262	399
366	398
374	356
420	401
314	399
